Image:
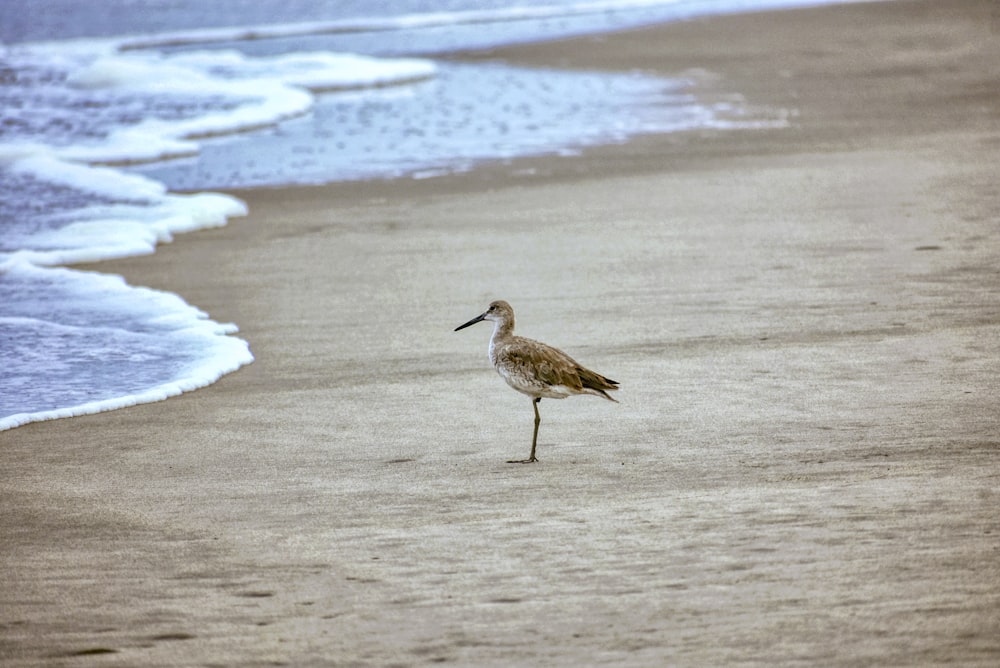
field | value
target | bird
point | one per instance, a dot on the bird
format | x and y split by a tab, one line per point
536	369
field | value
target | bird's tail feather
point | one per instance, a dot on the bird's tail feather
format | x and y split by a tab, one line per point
598	383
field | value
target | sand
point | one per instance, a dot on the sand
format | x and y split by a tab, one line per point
804	468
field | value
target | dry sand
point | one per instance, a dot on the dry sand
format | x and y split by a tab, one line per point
804	468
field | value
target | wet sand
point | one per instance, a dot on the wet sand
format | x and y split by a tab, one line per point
804	468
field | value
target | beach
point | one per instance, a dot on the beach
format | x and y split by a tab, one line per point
804	468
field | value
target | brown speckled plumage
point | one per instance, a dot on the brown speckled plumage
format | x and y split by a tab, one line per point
534	368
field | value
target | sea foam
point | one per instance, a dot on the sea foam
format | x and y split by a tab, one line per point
74	342
100	344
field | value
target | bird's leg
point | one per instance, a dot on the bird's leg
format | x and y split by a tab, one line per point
534	437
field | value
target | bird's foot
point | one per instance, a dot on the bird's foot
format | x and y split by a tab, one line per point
530	460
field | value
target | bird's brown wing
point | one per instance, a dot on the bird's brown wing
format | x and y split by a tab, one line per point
549	365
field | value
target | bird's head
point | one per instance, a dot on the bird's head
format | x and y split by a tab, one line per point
498	311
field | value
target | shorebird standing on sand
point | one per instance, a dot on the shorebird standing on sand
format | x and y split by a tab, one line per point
536	369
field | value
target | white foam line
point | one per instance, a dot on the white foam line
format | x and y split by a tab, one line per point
379	24
106	232
174	319
236	355
440	19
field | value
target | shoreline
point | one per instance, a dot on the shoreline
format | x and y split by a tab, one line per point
803	468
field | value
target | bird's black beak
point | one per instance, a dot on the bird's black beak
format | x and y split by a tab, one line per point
478	318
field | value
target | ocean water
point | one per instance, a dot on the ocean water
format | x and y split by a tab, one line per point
117	119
